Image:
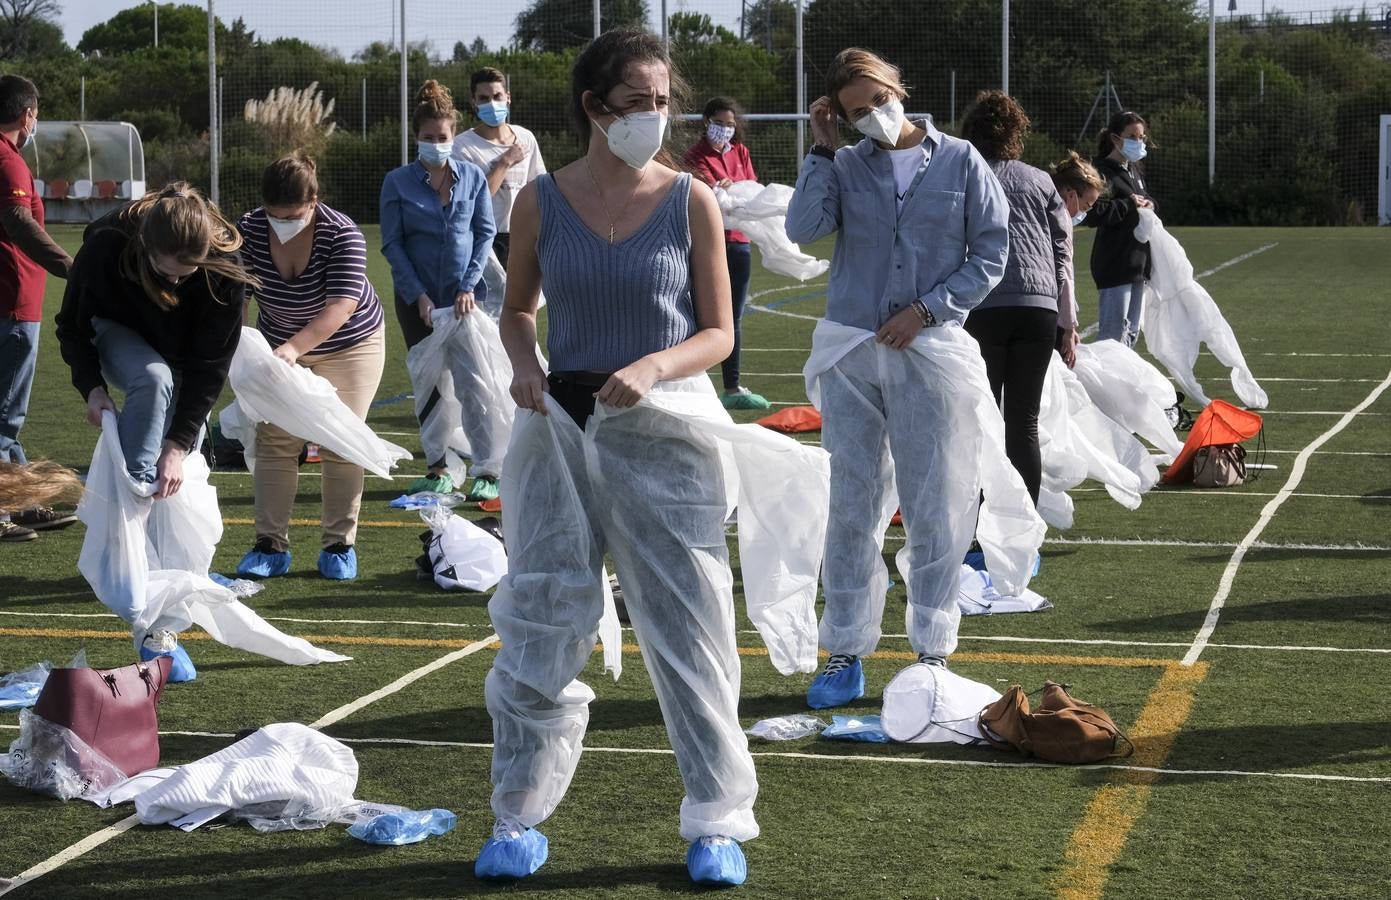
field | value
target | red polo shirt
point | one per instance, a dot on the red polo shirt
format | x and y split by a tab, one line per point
712	166
21	279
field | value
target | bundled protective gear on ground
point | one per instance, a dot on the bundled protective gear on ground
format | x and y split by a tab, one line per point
19	690
786	728
51	759
463	361
147	560
867	729
284	776
927	704
1180	314
760	212
292	398
1077	441
978	596
653	486
395	826
462	555
917	427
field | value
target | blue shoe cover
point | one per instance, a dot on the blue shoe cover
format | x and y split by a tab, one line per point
512	852
838	688
257	564
340	565
716	860
1038	564
976	560
181	671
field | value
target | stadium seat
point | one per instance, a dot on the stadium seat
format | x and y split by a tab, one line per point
106	189
57	189
82	189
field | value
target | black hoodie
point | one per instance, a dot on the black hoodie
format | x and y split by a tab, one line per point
1117	258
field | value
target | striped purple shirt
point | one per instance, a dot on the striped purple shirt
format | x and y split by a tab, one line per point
337	268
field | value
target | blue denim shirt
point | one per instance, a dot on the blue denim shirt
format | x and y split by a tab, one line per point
947	246
434	248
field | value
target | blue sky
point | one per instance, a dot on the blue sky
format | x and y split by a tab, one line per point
351	24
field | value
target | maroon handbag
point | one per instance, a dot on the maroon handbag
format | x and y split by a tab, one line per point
112	710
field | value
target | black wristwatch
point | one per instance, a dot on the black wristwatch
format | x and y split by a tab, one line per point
823	150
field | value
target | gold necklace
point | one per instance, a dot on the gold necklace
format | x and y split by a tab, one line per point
600	192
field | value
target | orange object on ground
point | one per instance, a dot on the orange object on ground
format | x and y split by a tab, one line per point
897	517
492	506
1219	423
793	420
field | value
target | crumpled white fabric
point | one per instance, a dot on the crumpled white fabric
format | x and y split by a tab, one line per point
1180	314
927	704
291	397
462	555
148	559
283	775
947	362
1077	442
1130	391
463	360
977	596
760	212
652	485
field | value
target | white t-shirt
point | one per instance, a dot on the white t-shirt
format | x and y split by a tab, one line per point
906	164
473	147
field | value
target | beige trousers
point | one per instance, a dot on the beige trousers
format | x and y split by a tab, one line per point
355	371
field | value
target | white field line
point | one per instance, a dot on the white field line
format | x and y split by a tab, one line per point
1237	494
1224	587
1263	378
1313	412
1337	452
1219	545
847	758
1234	260
96	839
483	626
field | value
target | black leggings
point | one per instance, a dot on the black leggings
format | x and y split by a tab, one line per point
1017	343
740	257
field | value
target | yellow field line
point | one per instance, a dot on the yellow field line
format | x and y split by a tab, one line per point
454	643
1097	841
413	523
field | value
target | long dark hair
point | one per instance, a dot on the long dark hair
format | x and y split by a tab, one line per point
1119	122
726	104
601	66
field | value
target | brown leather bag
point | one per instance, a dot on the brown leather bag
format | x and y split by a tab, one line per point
112	710
1061	730
1219	465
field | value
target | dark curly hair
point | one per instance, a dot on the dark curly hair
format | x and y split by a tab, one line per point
996	125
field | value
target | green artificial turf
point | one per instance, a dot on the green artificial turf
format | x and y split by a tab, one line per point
858	820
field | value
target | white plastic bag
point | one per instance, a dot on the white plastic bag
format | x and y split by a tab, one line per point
462	555
147	560
927	704
463	360
51	759
291	397
760	212
1180	314
281	777
786	728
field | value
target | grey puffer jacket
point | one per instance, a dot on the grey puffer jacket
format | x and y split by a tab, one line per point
1040	239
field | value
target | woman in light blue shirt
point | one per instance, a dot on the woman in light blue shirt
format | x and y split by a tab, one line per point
922	237
437	230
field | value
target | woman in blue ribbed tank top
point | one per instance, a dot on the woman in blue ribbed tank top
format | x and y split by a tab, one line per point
630	254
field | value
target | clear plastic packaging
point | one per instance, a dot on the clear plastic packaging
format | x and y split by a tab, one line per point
20	690
51	759
786	728
395	825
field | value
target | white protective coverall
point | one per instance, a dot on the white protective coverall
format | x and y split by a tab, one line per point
148	559
919	429
1180	314
761	213
464	360
291	397
652	486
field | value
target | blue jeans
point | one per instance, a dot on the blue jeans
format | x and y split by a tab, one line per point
131	364
19	352
1119	310
740	257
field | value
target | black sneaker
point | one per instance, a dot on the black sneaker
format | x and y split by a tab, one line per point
10	533
927	660
42	518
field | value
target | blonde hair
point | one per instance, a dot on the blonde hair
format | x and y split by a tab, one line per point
434	101
1075	173
179	221
34	484
855	62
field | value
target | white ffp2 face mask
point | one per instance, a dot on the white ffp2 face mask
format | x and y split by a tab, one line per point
636	137
286	229
883	124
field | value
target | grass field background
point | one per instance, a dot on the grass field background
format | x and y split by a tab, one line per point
1291	689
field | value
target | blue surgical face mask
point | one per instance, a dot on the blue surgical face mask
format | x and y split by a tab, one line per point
493	112
433	154
1134	149
1079	218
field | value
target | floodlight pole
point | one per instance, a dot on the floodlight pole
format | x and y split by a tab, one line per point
214	139
801	87
405	93
598	19
1211	92
666	38
1004	47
